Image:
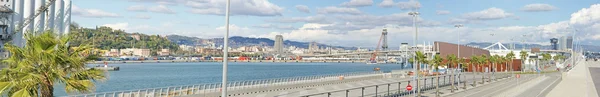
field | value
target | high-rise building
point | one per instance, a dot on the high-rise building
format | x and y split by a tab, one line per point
562	43
278	46
554	43
569	42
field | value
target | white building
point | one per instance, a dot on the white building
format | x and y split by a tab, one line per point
14	13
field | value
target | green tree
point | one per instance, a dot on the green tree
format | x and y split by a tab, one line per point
436	62
420	58
523	56
45	61
510	57
452	60
473	62
483	61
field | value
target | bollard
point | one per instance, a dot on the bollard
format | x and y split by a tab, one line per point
362	92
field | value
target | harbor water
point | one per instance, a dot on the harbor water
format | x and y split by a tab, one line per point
133	76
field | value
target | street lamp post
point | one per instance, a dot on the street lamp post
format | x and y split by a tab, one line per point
416	38
458	52
225	51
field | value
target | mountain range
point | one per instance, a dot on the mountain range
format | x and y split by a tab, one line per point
238	41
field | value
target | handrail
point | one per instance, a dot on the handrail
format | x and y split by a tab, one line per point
408	80
261	82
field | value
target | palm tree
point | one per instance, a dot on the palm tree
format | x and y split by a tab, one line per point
491	60
474	62
45	61
546	57
483	60
556	58
463	68
420	58
510	57
451	59
436	62
523	56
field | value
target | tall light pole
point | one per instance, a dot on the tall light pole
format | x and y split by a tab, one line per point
416	38
458	52
225	51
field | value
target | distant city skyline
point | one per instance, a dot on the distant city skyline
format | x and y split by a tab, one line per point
352	22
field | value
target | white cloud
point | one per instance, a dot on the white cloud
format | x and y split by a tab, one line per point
161	9
357	3
337	10
538	7
303	8
387	3
587	23
488	14
142	16
271	26
309	19
408	5
93	13
121	26
242	7
137	8
442	12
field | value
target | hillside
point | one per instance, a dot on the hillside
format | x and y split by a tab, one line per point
237	41
108	38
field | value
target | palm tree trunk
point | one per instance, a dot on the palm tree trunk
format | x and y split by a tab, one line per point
474	71
437	86
452	79
47	90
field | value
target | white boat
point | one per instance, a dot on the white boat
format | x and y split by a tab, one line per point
371	62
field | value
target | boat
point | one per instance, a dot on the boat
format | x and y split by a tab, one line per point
371	62
106	67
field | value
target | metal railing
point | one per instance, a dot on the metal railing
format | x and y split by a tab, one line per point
397	89
242	87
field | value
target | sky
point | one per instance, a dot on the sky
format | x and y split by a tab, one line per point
356	23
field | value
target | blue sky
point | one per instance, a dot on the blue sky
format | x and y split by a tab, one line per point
351	22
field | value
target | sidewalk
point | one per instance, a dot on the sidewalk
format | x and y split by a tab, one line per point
575	83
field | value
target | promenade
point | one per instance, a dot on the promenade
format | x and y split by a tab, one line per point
581	81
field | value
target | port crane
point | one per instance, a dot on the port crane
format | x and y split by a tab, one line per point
373	59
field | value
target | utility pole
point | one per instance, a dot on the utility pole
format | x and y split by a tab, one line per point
458	53
416	65
225	51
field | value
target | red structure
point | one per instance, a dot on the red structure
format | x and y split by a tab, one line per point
466	52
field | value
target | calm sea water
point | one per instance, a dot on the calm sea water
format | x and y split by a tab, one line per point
152	75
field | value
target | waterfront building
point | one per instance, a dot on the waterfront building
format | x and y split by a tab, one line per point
562	43
278	46
186	47
163	52
569	42
135	52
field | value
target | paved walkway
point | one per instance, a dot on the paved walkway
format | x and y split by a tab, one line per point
577	82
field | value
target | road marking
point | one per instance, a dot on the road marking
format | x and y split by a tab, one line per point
500	90
320	89
539	94
495	85
282	94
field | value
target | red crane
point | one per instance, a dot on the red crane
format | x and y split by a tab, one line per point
374	55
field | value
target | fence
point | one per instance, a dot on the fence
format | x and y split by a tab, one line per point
395	89
243	87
